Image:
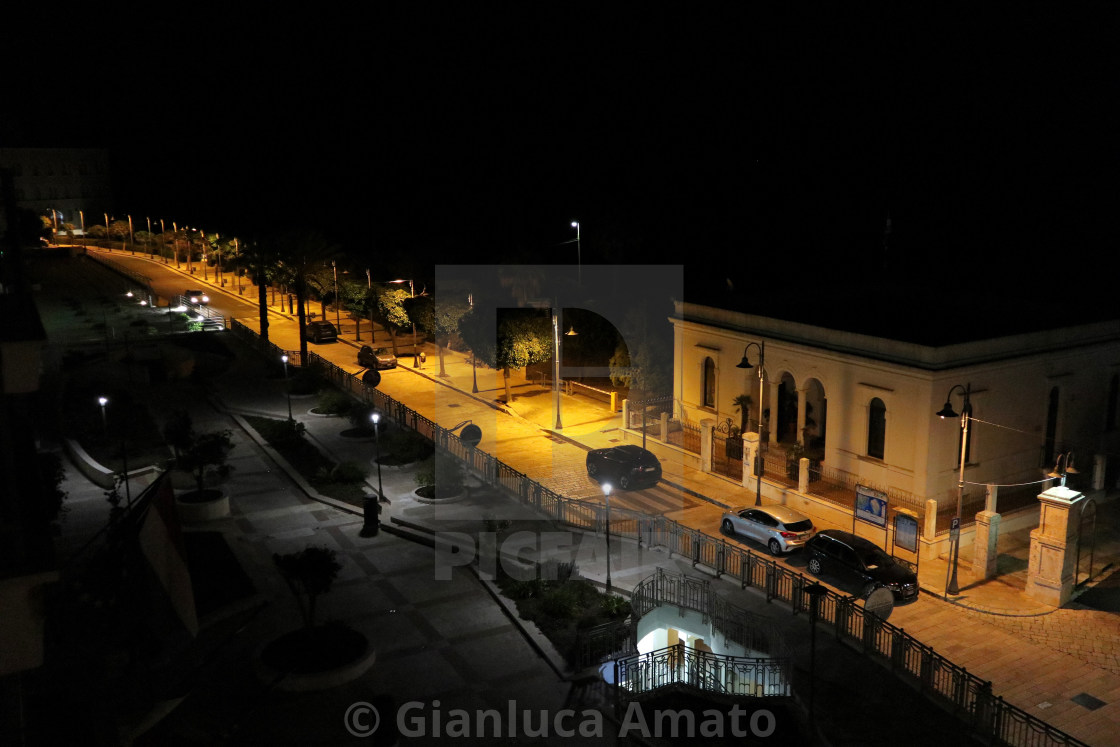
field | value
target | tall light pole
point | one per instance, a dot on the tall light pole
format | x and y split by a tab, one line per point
745	363
951	586
371	507
474	359
104	421
556	362
337	313
607	498
131	242
287	384
108	241
579	254
82	215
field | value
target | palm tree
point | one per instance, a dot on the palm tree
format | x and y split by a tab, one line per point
304	254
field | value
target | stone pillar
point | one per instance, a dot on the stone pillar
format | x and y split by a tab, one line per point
984	552
750	451
625	414
1099	463
707	429
929	529
665	427
1053	555
803	476
991	494
801	416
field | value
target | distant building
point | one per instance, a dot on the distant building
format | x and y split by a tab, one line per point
67	181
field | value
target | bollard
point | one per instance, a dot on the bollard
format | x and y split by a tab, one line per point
371	519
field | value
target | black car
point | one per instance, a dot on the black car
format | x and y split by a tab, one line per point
321	332
861	562
379	359
196	296
626	466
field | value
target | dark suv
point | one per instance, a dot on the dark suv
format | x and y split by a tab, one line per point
321	332
859	561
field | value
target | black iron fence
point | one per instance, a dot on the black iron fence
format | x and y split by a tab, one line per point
965	694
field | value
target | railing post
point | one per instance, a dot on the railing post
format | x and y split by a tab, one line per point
720	559
744	571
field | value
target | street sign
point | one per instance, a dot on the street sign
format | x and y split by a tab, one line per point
371	378
471	435
955	524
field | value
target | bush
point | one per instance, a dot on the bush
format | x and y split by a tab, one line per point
345	473
445	473
307	381
334	402
402	446
279	433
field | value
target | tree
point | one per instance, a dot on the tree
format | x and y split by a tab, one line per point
524	338
178	430
439	319
643	359
478	328
206	450
303	254
310	573
390	311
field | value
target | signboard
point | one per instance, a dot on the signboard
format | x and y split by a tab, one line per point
871	506
906	531
880	603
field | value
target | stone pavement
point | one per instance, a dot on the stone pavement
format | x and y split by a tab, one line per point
995	613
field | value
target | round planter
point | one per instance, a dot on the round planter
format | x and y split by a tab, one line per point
314	678
450	499
214	506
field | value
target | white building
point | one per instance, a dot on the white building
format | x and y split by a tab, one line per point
865	406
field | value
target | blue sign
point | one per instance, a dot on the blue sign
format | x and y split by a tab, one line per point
871	506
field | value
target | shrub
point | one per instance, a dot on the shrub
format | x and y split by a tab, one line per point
307	381
403	446
334	402
279	432
444	472
345	472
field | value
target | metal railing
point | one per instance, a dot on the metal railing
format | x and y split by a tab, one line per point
966	695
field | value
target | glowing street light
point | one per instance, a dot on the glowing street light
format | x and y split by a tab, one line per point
287	385
745	363
607	497
951	586
579	254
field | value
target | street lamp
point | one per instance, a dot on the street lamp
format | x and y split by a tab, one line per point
951	587
287	385
1062	467
108	241
104	422
607	497
337	312
131	242
556	362
745	363
371	507
82	215
376	418
579	254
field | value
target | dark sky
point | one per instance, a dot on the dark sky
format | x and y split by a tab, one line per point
734	138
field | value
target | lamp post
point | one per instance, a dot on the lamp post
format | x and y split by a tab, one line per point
371	507
745	363
82	215
556	362
951	586
376	418
1062	467
287	385
579	255
108	241
337	312
104	422
131	241
607	498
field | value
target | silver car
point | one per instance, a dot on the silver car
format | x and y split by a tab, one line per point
781	529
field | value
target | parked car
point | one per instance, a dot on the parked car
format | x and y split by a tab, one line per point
781	529
860	562
626	466
378	359
321	331
197	296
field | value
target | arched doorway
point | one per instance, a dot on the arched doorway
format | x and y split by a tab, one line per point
787	410
816	419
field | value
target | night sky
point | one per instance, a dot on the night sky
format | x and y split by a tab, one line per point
762	145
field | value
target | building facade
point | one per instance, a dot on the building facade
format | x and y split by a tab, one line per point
867	406
67	181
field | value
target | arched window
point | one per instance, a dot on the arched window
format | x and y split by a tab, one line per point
709	383
876	428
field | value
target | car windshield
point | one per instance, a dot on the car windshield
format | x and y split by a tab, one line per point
873	557
799	526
